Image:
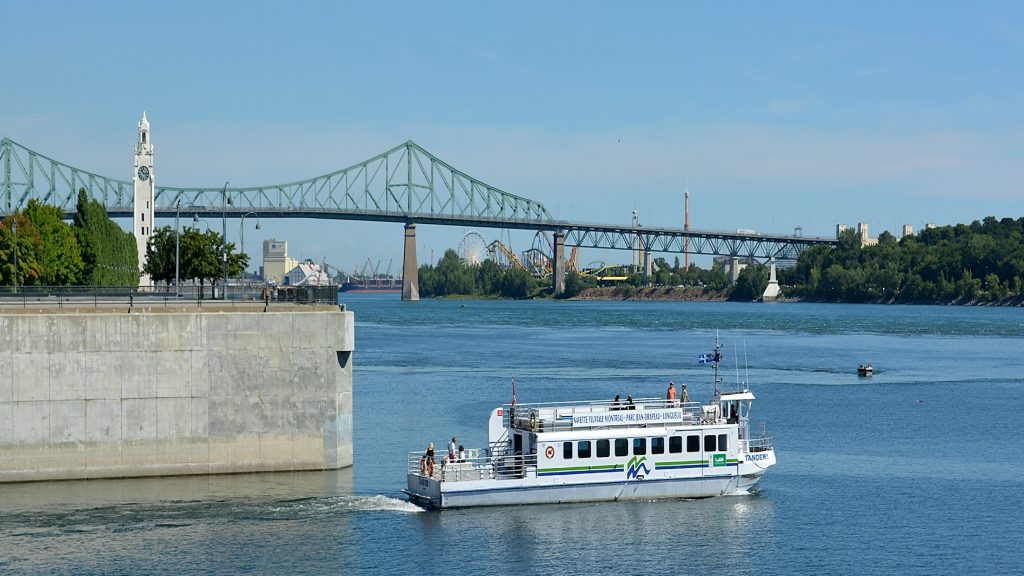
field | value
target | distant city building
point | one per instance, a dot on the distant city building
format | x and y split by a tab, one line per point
307	273
276	262
865	239
908	230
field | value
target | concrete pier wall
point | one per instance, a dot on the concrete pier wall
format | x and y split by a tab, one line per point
101	393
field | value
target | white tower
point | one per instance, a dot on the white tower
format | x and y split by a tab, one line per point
145	186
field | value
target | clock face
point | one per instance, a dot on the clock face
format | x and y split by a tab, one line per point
144	173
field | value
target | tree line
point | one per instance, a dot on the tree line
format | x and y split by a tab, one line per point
93	250
980	262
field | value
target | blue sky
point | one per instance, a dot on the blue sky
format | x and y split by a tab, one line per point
780	114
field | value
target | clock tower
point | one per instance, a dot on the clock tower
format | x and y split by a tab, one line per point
145	193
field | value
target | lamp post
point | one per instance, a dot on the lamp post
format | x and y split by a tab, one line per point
14	229
241	234
224	221
177	251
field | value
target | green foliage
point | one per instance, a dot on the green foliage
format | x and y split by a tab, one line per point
58	253
452	277
980	262
29	269
160	255
109	253
576	283
750	284
201	256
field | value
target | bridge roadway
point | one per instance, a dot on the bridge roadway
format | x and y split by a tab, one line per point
405	185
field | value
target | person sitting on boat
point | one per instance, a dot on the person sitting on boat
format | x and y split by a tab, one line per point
671	395
629	402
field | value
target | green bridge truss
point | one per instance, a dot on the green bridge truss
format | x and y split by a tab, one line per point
404	184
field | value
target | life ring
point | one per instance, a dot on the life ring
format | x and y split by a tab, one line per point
550	452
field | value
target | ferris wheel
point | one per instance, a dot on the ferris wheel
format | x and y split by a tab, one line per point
473	248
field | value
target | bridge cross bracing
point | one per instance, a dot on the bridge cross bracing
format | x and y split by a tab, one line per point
406	184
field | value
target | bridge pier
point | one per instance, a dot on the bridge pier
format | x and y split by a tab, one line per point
647	267
410	269
558	264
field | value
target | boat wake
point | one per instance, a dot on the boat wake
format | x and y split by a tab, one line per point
355	503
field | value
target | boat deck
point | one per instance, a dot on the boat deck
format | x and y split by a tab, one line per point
568	416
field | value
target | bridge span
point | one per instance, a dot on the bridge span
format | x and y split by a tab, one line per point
405	185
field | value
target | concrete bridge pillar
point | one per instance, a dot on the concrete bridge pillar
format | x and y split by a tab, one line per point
734	270
558	264
647	267
410	269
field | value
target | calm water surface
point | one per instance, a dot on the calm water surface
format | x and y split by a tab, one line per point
917	470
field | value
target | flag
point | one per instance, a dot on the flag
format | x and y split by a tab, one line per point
513	390
707	358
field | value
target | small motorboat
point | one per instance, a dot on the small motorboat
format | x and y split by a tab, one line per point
865	370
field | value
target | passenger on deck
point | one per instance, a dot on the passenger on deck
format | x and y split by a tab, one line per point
629	402
671	396
682	394
462	453
618	403
429	455
451	449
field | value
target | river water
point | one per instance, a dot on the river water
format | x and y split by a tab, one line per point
917	470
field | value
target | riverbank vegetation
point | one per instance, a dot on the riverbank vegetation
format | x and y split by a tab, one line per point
977	263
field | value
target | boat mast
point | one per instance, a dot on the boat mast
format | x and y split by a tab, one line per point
715	360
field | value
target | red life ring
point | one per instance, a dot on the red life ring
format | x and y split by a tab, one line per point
550	452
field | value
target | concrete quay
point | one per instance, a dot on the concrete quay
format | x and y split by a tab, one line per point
104	390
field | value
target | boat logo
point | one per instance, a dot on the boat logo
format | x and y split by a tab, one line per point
550	452
635	465
719	460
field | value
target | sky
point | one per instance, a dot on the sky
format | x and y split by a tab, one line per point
775	115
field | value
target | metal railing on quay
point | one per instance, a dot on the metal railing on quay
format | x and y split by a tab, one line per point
239	294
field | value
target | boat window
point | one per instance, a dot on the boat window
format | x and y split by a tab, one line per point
603	448
567	450
709	443
639	446
583	449
693	443
657	445
723	442
675	444
621	447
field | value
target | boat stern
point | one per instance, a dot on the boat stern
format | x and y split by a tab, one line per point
423	490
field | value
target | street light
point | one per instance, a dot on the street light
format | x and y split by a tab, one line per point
14	229
224	218
241	234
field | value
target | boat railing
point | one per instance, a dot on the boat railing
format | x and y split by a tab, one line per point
760	444
478	465
559	416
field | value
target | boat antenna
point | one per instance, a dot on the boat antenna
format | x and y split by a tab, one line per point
715	361
736	350
746	369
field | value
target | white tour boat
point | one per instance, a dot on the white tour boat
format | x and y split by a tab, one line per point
602	451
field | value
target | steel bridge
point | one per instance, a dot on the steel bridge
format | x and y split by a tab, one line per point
406	184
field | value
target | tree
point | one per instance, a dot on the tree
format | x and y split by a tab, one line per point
59	256
576	283
161	255
109	253
750	284
29	270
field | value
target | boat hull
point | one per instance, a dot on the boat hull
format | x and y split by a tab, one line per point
604	487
